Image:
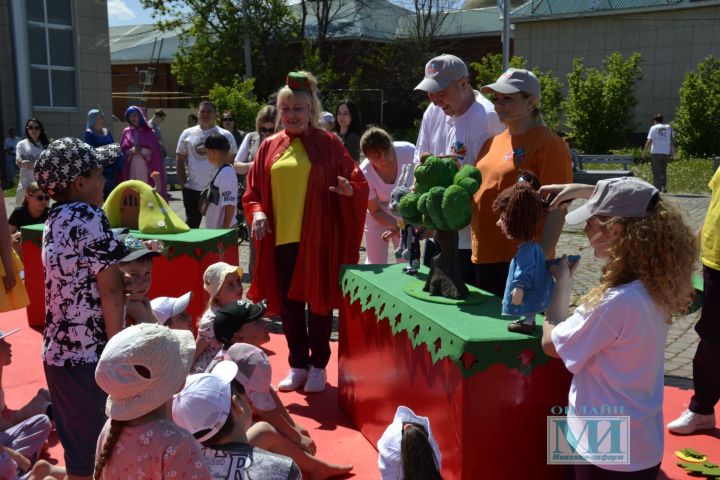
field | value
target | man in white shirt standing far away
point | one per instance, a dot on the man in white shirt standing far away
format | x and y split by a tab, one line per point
457	122
661	144
193	169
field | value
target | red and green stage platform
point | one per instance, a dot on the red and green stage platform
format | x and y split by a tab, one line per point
178	270
487	392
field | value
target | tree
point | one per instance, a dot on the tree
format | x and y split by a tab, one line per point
211	40
442	202
327	77
328	13
397	67
600	102
490	68
430	15
239	99
697	119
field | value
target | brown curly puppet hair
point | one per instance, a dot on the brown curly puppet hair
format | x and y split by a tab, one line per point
521	207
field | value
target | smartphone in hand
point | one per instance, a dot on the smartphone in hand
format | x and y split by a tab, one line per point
572	259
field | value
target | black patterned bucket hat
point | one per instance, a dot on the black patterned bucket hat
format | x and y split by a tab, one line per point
63	161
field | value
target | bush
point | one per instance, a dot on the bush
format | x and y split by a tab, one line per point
490	68
697	119
239	99
600	102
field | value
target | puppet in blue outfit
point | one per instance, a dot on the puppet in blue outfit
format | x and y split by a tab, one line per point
529	285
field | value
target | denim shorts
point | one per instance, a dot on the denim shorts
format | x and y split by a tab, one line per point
79	412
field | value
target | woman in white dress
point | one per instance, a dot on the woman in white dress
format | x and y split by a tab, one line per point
27	151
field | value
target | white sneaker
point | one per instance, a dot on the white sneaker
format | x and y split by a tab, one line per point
295	379
316	380
689	422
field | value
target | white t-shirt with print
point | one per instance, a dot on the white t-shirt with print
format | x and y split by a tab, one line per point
462	136
616	353
77	244
235	461
192	144
227	185
661	136
380	190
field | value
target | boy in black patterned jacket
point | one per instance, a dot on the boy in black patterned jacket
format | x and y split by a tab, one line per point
84	301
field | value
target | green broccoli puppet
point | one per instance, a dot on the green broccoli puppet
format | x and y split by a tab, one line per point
442	201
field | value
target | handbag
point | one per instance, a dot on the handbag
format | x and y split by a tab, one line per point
211	194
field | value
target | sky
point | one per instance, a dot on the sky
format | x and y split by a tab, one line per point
127	12
130	12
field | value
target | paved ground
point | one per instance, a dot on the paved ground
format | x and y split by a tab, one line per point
682	339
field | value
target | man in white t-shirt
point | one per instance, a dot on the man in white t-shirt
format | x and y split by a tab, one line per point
661	145
193	169
222	205
458	122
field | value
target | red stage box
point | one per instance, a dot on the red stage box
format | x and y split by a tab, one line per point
178	270
487	392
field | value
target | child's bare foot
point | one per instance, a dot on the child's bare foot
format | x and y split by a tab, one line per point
330	470
308	445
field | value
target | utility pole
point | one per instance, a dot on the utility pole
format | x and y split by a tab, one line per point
248	59
506	33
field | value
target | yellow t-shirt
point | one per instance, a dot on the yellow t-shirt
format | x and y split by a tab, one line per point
710	236
289	178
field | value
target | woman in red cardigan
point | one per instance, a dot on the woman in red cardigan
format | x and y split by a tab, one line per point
307	199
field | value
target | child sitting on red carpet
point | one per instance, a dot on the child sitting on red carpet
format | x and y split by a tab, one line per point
23	432
172	312
214	409
136	267
408	449
140	369
224	284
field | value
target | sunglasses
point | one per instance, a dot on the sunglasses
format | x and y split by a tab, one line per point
33	127
266	130
42	197
228	119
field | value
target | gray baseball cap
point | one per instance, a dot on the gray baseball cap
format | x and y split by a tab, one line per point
515	80
625	197
441	71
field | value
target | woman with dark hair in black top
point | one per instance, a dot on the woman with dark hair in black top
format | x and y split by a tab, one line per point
348	126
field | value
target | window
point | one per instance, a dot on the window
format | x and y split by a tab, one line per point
51	41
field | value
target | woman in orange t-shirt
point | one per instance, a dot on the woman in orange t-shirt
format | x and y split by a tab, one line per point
526	144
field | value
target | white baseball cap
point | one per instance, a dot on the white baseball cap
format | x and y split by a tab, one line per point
515	80
441	71
626	197
203	405
389	459
164	308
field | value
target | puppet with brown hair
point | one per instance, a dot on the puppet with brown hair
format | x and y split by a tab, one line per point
529	285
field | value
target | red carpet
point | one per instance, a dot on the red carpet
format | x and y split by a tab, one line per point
336	438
